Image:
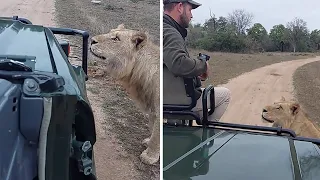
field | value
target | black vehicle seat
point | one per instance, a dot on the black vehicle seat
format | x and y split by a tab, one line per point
178	106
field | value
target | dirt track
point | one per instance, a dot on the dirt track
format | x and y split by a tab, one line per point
252	91
38	11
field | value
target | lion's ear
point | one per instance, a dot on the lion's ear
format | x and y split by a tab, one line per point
139	39
295	107
120	26
282	98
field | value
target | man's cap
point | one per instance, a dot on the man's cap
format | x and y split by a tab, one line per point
193	3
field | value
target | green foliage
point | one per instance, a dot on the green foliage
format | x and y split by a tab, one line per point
315	39
235	34
257	32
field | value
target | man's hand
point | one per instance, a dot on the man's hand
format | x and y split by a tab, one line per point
205	75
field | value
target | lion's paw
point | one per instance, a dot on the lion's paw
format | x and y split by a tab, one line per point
145	142
149	158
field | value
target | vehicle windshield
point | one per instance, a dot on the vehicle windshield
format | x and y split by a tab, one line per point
26	44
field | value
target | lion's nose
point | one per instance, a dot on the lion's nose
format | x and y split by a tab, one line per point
264	110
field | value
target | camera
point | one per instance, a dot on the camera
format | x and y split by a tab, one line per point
204	57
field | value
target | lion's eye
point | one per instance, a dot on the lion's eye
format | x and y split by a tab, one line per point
116	38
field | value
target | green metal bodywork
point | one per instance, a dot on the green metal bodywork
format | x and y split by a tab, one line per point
223	154
71	113
17	38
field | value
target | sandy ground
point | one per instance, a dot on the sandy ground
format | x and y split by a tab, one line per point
38	11
253	90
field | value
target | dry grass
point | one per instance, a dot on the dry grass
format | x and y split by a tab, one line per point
306	81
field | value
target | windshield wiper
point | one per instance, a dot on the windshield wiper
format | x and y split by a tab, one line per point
11	65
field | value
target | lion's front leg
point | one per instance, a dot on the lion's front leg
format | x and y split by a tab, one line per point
145	142
152	153
150	126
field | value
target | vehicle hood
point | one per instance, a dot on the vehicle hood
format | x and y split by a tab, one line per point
200	154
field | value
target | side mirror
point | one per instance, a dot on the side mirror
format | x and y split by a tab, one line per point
65	46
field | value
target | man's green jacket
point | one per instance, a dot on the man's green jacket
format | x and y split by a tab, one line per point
176	57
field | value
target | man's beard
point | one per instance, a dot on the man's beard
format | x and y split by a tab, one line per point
184	20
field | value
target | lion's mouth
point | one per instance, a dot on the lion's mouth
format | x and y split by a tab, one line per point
97	55
266	119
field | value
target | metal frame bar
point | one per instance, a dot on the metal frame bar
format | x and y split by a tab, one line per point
85	38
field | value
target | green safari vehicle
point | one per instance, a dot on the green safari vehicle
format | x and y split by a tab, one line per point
46	121
227	151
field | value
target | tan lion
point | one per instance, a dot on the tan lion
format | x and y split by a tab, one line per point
289	115
133	60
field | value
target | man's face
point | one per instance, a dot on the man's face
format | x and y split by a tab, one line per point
185	14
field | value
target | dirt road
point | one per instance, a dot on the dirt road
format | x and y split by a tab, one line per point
253	90
38	11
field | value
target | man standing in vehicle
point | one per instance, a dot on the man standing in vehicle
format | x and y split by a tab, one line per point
176	18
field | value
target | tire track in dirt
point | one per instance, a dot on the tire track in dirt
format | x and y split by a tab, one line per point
251	91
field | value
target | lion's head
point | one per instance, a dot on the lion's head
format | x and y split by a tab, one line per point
281	113
118	49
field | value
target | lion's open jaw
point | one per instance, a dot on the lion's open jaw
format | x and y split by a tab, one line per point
266	119
98	56
269	120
